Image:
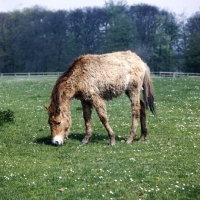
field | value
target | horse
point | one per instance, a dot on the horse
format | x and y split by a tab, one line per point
92	79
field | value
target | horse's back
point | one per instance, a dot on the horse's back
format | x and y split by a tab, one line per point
113	61
109	75
113	65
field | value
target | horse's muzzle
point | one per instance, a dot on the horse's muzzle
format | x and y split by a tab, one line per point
57	140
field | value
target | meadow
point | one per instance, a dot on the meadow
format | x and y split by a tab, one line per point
165	166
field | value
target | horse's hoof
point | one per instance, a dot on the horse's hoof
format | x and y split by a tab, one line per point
112	142
83	143
128	142
142	138
130	139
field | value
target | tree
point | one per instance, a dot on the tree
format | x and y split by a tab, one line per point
120	29
55	40
4	54
86	30
157	32
36	39
166	37
180	43
192	54
145	18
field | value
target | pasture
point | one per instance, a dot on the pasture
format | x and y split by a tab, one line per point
165	166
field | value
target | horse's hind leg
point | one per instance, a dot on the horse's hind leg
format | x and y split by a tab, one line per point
134	96
87	112
143	121
100	107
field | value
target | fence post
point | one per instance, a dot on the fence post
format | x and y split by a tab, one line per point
28	75
1	75
174	74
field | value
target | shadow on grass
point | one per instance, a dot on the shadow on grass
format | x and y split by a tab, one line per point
44	140
96	138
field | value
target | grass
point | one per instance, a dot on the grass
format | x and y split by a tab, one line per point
165	166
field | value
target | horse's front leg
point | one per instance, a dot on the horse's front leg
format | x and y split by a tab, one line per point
100	107
87	112
135	105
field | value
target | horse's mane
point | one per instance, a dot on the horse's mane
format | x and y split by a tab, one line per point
56	92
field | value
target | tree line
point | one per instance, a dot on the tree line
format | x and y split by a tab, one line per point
36	39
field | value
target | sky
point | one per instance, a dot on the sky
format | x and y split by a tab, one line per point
188	7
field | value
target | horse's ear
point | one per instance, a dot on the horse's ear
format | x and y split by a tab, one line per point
47	107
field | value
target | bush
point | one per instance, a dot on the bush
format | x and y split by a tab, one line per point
6	116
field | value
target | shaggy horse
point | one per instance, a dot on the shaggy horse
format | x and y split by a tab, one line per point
93	79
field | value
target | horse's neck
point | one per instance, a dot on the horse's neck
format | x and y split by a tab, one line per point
66	96
65	105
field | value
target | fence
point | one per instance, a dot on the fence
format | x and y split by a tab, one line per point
32	74
174	74
53	74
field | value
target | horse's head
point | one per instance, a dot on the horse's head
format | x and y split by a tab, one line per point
60	122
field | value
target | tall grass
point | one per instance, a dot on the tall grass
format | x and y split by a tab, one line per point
165	166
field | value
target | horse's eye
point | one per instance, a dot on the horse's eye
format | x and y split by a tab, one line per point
58	123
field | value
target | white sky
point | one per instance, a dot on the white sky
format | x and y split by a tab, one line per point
188	7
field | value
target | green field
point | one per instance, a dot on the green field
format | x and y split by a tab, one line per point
165	166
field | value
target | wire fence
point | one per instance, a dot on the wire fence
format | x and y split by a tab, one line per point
56	74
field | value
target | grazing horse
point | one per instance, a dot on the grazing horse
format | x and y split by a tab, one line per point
93	79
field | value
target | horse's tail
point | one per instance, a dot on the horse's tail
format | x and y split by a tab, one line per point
148	93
